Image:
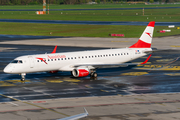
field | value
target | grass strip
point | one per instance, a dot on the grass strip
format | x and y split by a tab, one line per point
86	6
79	30
158	15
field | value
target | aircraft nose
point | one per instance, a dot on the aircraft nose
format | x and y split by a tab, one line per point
7	69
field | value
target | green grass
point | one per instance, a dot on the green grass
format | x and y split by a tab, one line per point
158	15
85	6
78	30
161	15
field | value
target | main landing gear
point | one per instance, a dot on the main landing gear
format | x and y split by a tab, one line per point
93	74
23	77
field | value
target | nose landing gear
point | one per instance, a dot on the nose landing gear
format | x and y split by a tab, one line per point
23	77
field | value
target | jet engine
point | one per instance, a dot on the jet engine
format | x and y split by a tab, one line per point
80	72
55	71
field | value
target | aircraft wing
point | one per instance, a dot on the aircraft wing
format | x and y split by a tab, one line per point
75	117
113	65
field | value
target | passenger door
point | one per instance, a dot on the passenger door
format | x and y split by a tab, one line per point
31	61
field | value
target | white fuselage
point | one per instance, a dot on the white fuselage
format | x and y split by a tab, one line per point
66	61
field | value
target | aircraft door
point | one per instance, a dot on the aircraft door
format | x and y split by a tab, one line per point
132	53
31	61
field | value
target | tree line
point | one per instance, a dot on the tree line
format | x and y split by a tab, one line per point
37	2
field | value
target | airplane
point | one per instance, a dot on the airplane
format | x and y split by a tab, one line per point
83	63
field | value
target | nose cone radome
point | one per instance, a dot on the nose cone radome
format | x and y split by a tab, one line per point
7	69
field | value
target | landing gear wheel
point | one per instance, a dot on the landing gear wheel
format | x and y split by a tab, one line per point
93	75
22	79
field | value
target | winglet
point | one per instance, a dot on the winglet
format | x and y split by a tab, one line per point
54	51
86	111
146	60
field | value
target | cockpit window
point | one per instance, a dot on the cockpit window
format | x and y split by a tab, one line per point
17	61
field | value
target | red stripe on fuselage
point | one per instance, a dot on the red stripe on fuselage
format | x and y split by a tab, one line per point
141	44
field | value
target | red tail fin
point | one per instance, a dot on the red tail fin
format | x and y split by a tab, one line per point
146	37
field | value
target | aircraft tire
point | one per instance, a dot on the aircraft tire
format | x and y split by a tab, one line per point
93	74
22	79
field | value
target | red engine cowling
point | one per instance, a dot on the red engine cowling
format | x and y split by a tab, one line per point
80	72
55	71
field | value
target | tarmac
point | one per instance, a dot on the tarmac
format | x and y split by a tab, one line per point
128	107
160	106
171	42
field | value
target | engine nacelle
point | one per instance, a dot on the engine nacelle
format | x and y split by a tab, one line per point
55	71
80	72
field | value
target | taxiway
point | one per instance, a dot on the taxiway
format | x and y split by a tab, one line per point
148	91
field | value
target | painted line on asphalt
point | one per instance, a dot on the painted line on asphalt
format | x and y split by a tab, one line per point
135	73
34	105
148	102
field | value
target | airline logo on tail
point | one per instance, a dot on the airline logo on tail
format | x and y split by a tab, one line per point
148	34
146	38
